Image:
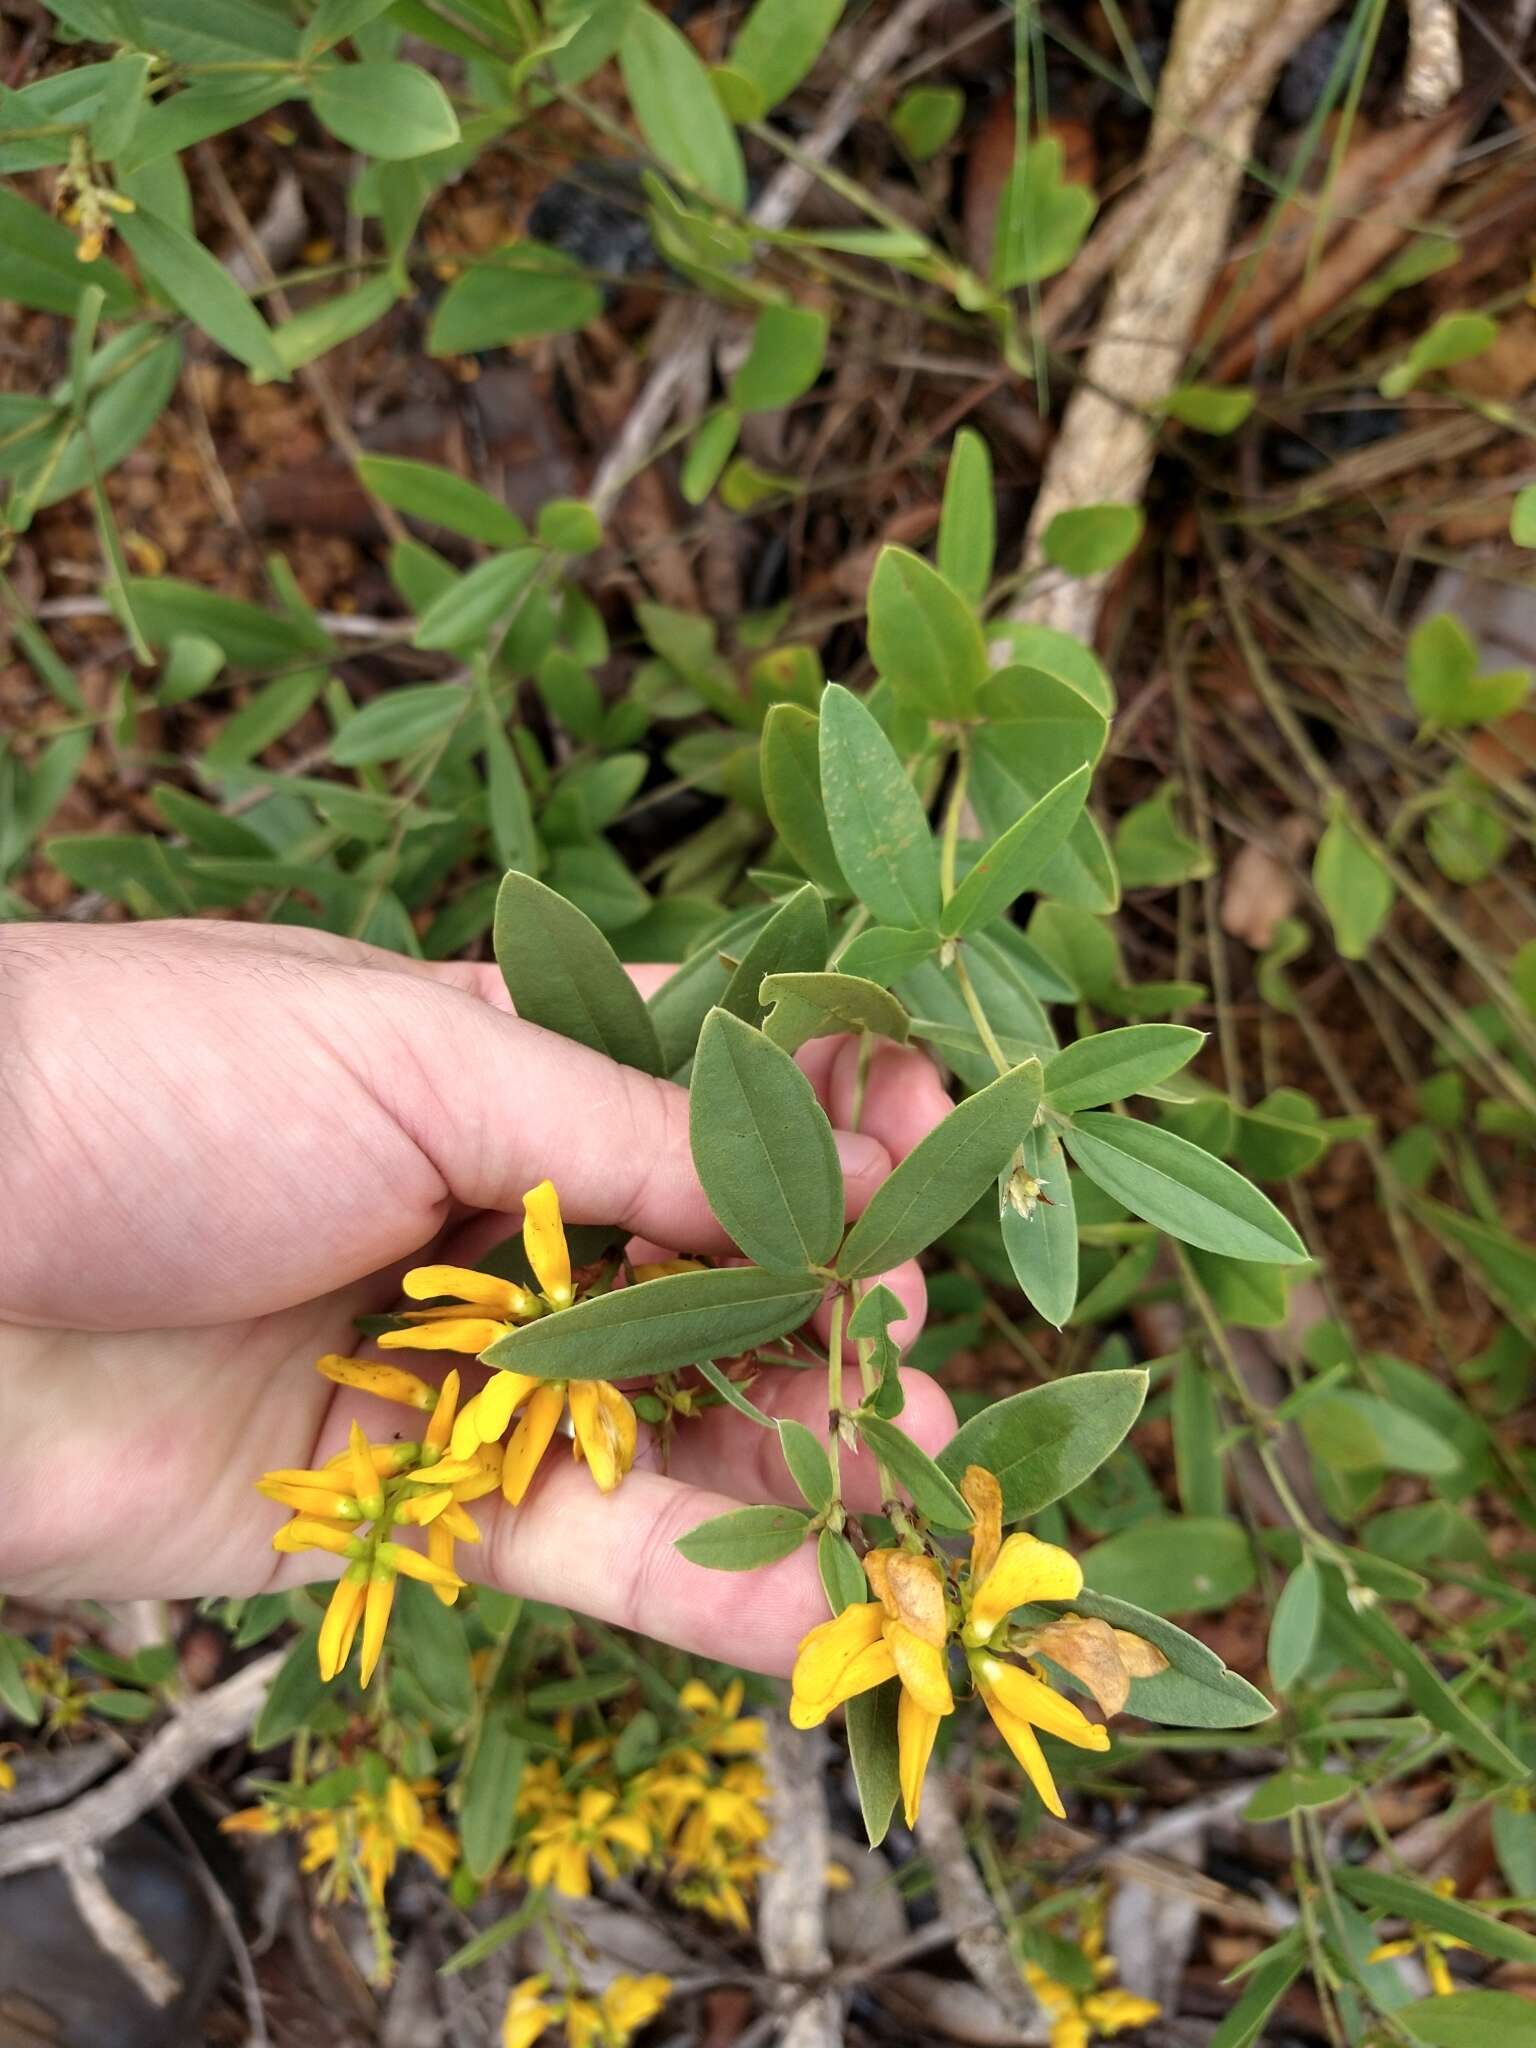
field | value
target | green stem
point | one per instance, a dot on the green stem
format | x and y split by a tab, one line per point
979	1018
835	1389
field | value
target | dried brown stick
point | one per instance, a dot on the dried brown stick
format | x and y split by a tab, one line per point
792	1893
1433	77
209	1722
1221	64
686	329
964	1903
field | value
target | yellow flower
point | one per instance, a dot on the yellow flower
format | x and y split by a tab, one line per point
483	1309
7	1769
1429	1944
901	1634
718	1722
608	2021
563	1847
1076	2020
604	1429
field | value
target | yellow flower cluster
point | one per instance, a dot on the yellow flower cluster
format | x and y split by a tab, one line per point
356	1505
8	1769
923	1602
609	2020
699	1812
86	205
358	1841
1079	2018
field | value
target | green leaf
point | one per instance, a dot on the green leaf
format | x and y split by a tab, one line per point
925	118
1090	539
116	1705
473	604
39	267
763	1148
675	105
1470	2019
789	344
1169	1182
430	1638
1114	1064
662	1325
1281	1136
923	636
1041	218
1354	887
318	329
297	1691
1196	1438
197	284
569	526
1454	338
1423	1907
1186	1563
1293	1632
809	1465
1042	1246
1444	683
1289	1792
943	1175
870	1719
803	1006
1507	1267
791	768
842	1576
488	1790
522	292
16	1695
779	42
745	1538
1428	1691
882	954
933	1494
1017	861
440	498
1151	851
712	446
1045	1441
1522	517
794	940
878	825
1274	1974
968	522
387	110
397	722
1209	408
1359	1431
563	974
1197	1690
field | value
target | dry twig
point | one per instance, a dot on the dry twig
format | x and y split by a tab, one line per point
1433	77
964	1903
791	1915
209	1722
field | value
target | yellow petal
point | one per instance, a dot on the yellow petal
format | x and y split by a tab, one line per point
527	2015
862	1673
1441	1982
1021	1739
440	1539
311	1501
630	2001
379	1599
1031	1699
912	1592
471	1334
500	1399
389	1382
365	1483
1116	2011
422	1509
1392	1951
398	1559
465	1439
440	1427
530	1439
340	1624
504	1298
544	1242
306	1532
606	1429
1026	1569
915	1732
826	1650
921	1669
984	1497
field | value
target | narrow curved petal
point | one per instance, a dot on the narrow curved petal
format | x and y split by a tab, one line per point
544	1242
377	1602
861	1673
1028	1754
530	1440
471	1334
1031	1699
1026	1569
504	1298
340	1624
984	1497
499	1400
916	1729
826	1650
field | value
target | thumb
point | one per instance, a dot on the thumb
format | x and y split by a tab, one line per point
498	1104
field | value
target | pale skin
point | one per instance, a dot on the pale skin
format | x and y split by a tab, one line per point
219	1143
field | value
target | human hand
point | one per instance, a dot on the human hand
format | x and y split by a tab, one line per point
225	1142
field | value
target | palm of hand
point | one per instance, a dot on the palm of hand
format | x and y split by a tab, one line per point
233	1140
